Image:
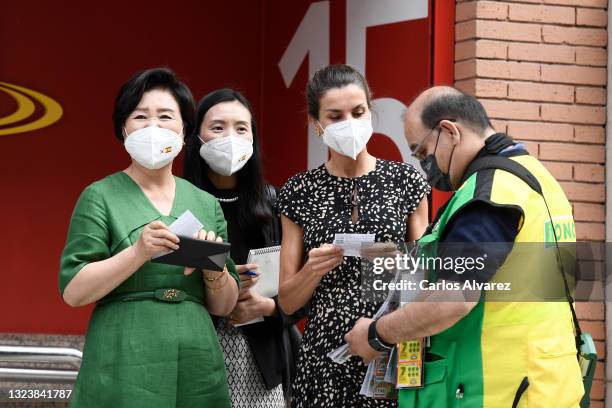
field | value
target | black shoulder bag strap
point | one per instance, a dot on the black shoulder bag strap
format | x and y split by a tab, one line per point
274	234
515	168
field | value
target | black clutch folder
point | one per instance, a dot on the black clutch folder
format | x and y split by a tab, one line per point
197	253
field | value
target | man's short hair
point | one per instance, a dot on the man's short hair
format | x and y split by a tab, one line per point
458	107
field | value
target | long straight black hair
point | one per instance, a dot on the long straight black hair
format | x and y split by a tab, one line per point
254	205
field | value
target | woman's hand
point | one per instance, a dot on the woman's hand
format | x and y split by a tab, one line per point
155	238
205	236
299	280
247	281
379	250
323	259
250	306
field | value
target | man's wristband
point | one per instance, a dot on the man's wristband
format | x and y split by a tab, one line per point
375	341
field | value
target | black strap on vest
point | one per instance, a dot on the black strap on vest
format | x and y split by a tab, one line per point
503	163
517	169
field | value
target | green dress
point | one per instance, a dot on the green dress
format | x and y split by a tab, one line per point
144	353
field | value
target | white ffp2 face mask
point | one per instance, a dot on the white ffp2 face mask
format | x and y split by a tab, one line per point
153	147
348	137
226	155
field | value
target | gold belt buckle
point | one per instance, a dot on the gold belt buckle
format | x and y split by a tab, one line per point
170	295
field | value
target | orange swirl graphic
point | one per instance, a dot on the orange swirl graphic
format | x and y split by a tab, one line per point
25	99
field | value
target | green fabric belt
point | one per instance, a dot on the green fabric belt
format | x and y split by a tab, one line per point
165	295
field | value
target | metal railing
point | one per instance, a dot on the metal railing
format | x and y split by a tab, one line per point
39	355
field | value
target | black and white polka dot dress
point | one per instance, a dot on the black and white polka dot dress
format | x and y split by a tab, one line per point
321	204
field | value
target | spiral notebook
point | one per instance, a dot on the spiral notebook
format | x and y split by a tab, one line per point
268	260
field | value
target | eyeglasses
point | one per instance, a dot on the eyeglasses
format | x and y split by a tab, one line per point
417	152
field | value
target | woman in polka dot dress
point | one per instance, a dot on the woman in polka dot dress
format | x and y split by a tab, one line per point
353	192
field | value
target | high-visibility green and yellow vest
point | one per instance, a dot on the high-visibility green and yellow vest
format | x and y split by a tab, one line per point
488	357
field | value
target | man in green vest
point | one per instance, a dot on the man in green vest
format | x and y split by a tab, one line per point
482	352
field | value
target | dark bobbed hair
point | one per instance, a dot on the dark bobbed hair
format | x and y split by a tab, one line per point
130	95
456	106
330	77
254	207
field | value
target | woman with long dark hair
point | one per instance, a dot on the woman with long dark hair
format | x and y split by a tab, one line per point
223	158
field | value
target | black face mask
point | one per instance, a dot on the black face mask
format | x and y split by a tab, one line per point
435	177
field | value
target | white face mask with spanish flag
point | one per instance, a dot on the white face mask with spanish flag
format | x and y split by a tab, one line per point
228	154
153	147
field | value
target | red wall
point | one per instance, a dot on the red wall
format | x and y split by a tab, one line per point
397	65
80	55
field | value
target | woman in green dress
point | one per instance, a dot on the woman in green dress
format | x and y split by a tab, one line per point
150	341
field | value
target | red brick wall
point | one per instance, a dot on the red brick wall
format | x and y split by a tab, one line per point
540	69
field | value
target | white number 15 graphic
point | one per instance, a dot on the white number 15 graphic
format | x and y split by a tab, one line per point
312	40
